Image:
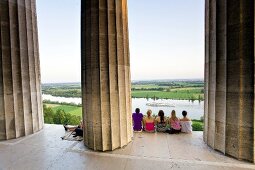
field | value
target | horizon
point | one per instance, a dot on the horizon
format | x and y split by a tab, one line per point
178	79
195	79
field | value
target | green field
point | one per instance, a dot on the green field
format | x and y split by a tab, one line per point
62	89
178	94
74	110
157	89
179	90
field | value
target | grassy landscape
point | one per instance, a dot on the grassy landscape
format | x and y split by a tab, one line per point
197	125
179	90
179	94
62	89
160	89
74	110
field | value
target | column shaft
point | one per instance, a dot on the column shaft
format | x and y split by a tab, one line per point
20	88
220	91
229	108
105	74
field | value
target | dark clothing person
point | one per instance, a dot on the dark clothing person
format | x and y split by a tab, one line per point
137	121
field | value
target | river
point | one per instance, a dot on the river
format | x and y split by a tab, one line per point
195	109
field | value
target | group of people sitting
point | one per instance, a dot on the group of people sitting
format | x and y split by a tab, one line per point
161	123
148	123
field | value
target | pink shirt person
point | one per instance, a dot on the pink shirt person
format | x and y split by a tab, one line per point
149	125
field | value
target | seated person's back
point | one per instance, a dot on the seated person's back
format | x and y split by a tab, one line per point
161	122
137	120
174	123
186	123
148	122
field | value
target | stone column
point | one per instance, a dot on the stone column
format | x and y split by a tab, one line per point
20	91
229	77
105	74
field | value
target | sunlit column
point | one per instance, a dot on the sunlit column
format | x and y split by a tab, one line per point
20	91
229	97
106	91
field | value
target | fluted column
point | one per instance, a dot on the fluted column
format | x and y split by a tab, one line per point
20	91
105	74
229	77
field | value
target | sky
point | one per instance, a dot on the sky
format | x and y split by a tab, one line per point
166	39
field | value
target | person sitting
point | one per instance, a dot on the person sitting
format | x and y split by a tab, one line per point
161	122
148	122
175	123
137	120
185	123
77	129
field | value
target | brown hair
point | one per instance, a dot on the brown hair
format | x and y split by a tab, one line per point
162	116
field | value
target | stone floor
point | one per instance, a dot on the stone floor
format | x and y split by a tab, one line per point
46	150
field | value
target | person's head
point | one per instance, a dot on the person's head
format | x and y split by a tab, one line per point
173	114
137	110
161	115
184	113
149	112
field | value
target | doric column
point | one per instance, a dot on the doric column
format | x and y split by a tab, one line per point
105	74
20	91
229	77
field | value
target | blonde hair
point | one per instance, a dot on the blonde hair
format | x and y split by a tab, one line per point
173	115
149	112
